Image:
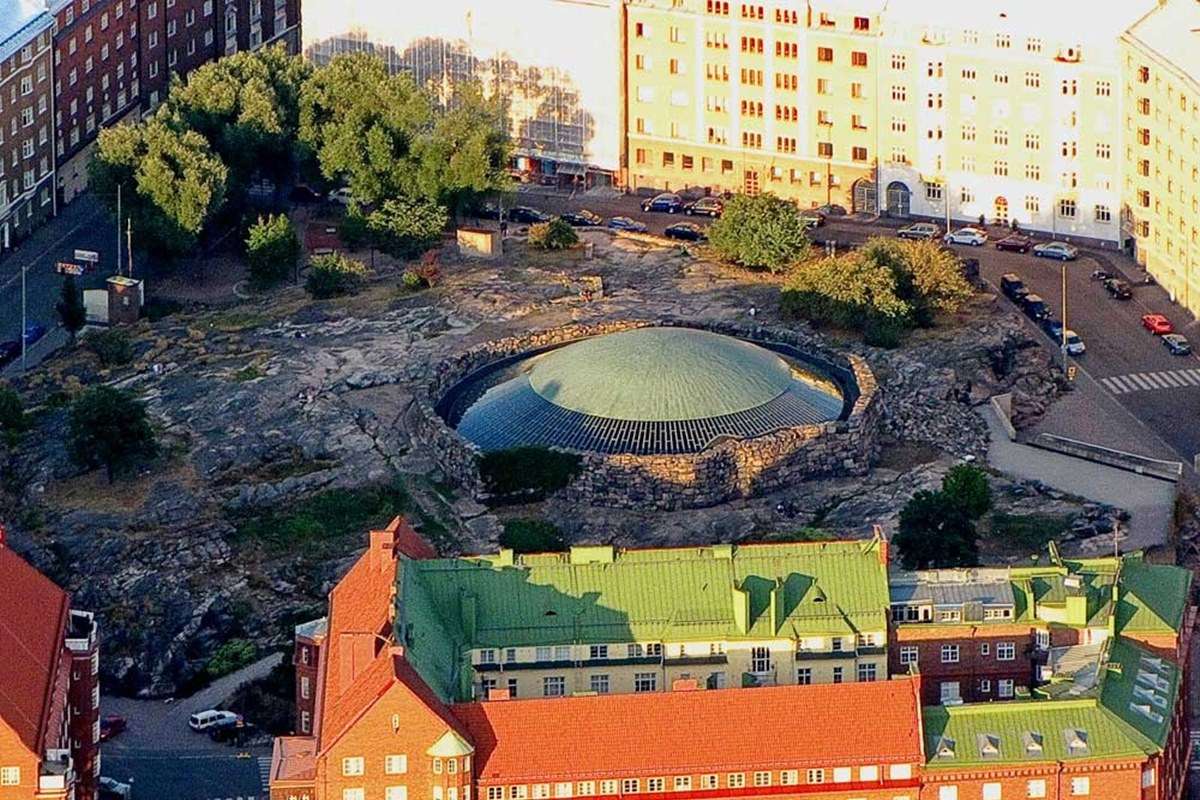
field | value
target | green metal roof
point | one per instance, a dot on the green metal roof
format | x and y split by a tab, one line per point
601	595
1106	720
1153	598
660	374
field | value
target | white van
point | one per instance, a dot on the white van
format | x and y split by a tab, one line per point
204	720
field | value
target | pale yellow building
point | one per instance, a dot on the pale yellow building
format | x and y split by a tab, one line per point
1161	88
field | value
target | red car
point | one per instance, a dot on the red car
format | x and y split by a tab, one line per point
1015	243
111	725
1157	324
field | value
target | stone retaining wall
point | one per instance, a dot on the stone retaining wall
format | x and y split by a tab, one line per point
732	469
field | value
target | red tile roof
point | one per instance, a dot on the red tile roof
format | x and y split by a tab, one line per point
693	732
33	618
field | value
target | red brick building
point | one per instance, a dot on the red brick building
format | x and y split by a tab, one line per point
26	119
49	689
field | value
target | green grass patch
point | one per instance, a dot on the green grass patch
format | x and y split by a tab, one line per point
320	525
1027	531
233	321
247	373
808	534
527	535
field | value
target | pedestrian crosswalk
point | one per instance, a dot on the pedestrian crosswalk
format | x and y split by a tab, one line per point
264	773
1151	381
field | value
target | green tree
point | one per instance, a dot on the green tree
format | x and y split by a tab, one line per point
272	249
846	290
966	487
247	106
553	235
759	232
12	412
173	183
112	346
70	307
109	427
365	125
466	155
407	226
333	275
934	532
937	280
527	535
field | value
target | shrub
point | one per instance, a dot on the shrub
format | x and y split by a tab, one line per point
405	227
272	249
532	536
412	281
12	412
109	427
967	488
759	232
111	345
334	275
553	235
935	533
353	230
527	470
230	657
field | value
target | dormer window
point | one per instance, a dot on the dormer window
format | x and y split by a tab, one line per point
989	745
1033	743
945	748
1077	741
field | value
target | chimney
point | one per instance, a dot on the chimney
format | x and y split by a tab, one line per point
382	548
884	547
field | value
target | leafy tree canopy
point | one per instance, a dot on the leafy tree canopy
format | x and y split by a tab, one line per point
759	232
466	155
109	428
934	533
272	248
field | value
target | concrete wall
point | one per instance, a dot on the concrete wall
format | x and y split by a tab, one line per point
734	469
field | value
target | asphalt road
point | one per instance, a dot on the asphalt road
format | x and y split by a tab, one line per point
1160	390
185	775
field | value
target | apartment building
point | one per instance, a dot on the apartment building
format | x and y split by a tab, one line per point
998	633
401	665
1161	89
555	63
50	692
26	119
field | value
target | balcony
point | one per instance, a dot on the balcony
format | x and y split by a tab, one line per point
56	774
81	631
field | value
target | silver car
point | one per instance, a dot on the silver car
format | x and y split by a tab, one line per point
1060	250
920	230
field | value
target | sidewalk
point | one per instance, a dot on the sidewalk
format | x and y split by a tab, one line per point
1149	501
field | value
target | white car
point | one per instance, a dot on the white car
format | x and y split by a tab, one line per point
1075	345
205	720
341	196
971	236
115	788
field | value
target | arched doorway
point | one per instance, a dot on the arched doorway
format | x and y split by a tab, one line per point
899	199
1001	210
862	196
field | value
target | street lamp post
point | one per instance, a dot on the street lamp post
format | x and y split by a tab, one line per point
1063	336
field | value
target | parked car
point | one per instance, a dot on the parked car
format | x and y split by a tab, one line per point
1015	243
111	725
112	789
302	193
527	216
1060	250
1035	307
1013	287
237	734
1157	324
212	718
582	218
972	236
1118	289
705	206
811	218
341	196
488	210
832	210
1176	344
1075	346
918	231
667	201
1102	275
687	231
1053	329
627	224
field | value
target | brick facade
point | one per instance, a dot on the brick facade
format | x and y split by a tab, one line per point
973	657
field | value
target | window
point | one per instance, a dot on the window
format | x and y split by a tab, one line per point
985	686
1000	78
1103	151
858	153
395	764
899	94
586	788
10	776
789	777
858	59
487	656
837	674
519	792
862	24
762	779
736	780
1005	687
599	684
1033	172
645	681
760	659
1000	137
866	672
804	676
1003	41
564	789
541	791
1103	89
948	691
355	794
814	776
683	783
352	766
1033	45
1036	788
949	654
1081	786
1066	208
947	793
1103	214
401	792
968	73
1006	651
825	54
899	61
909	653
554	686
630	786
991	791
495	793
